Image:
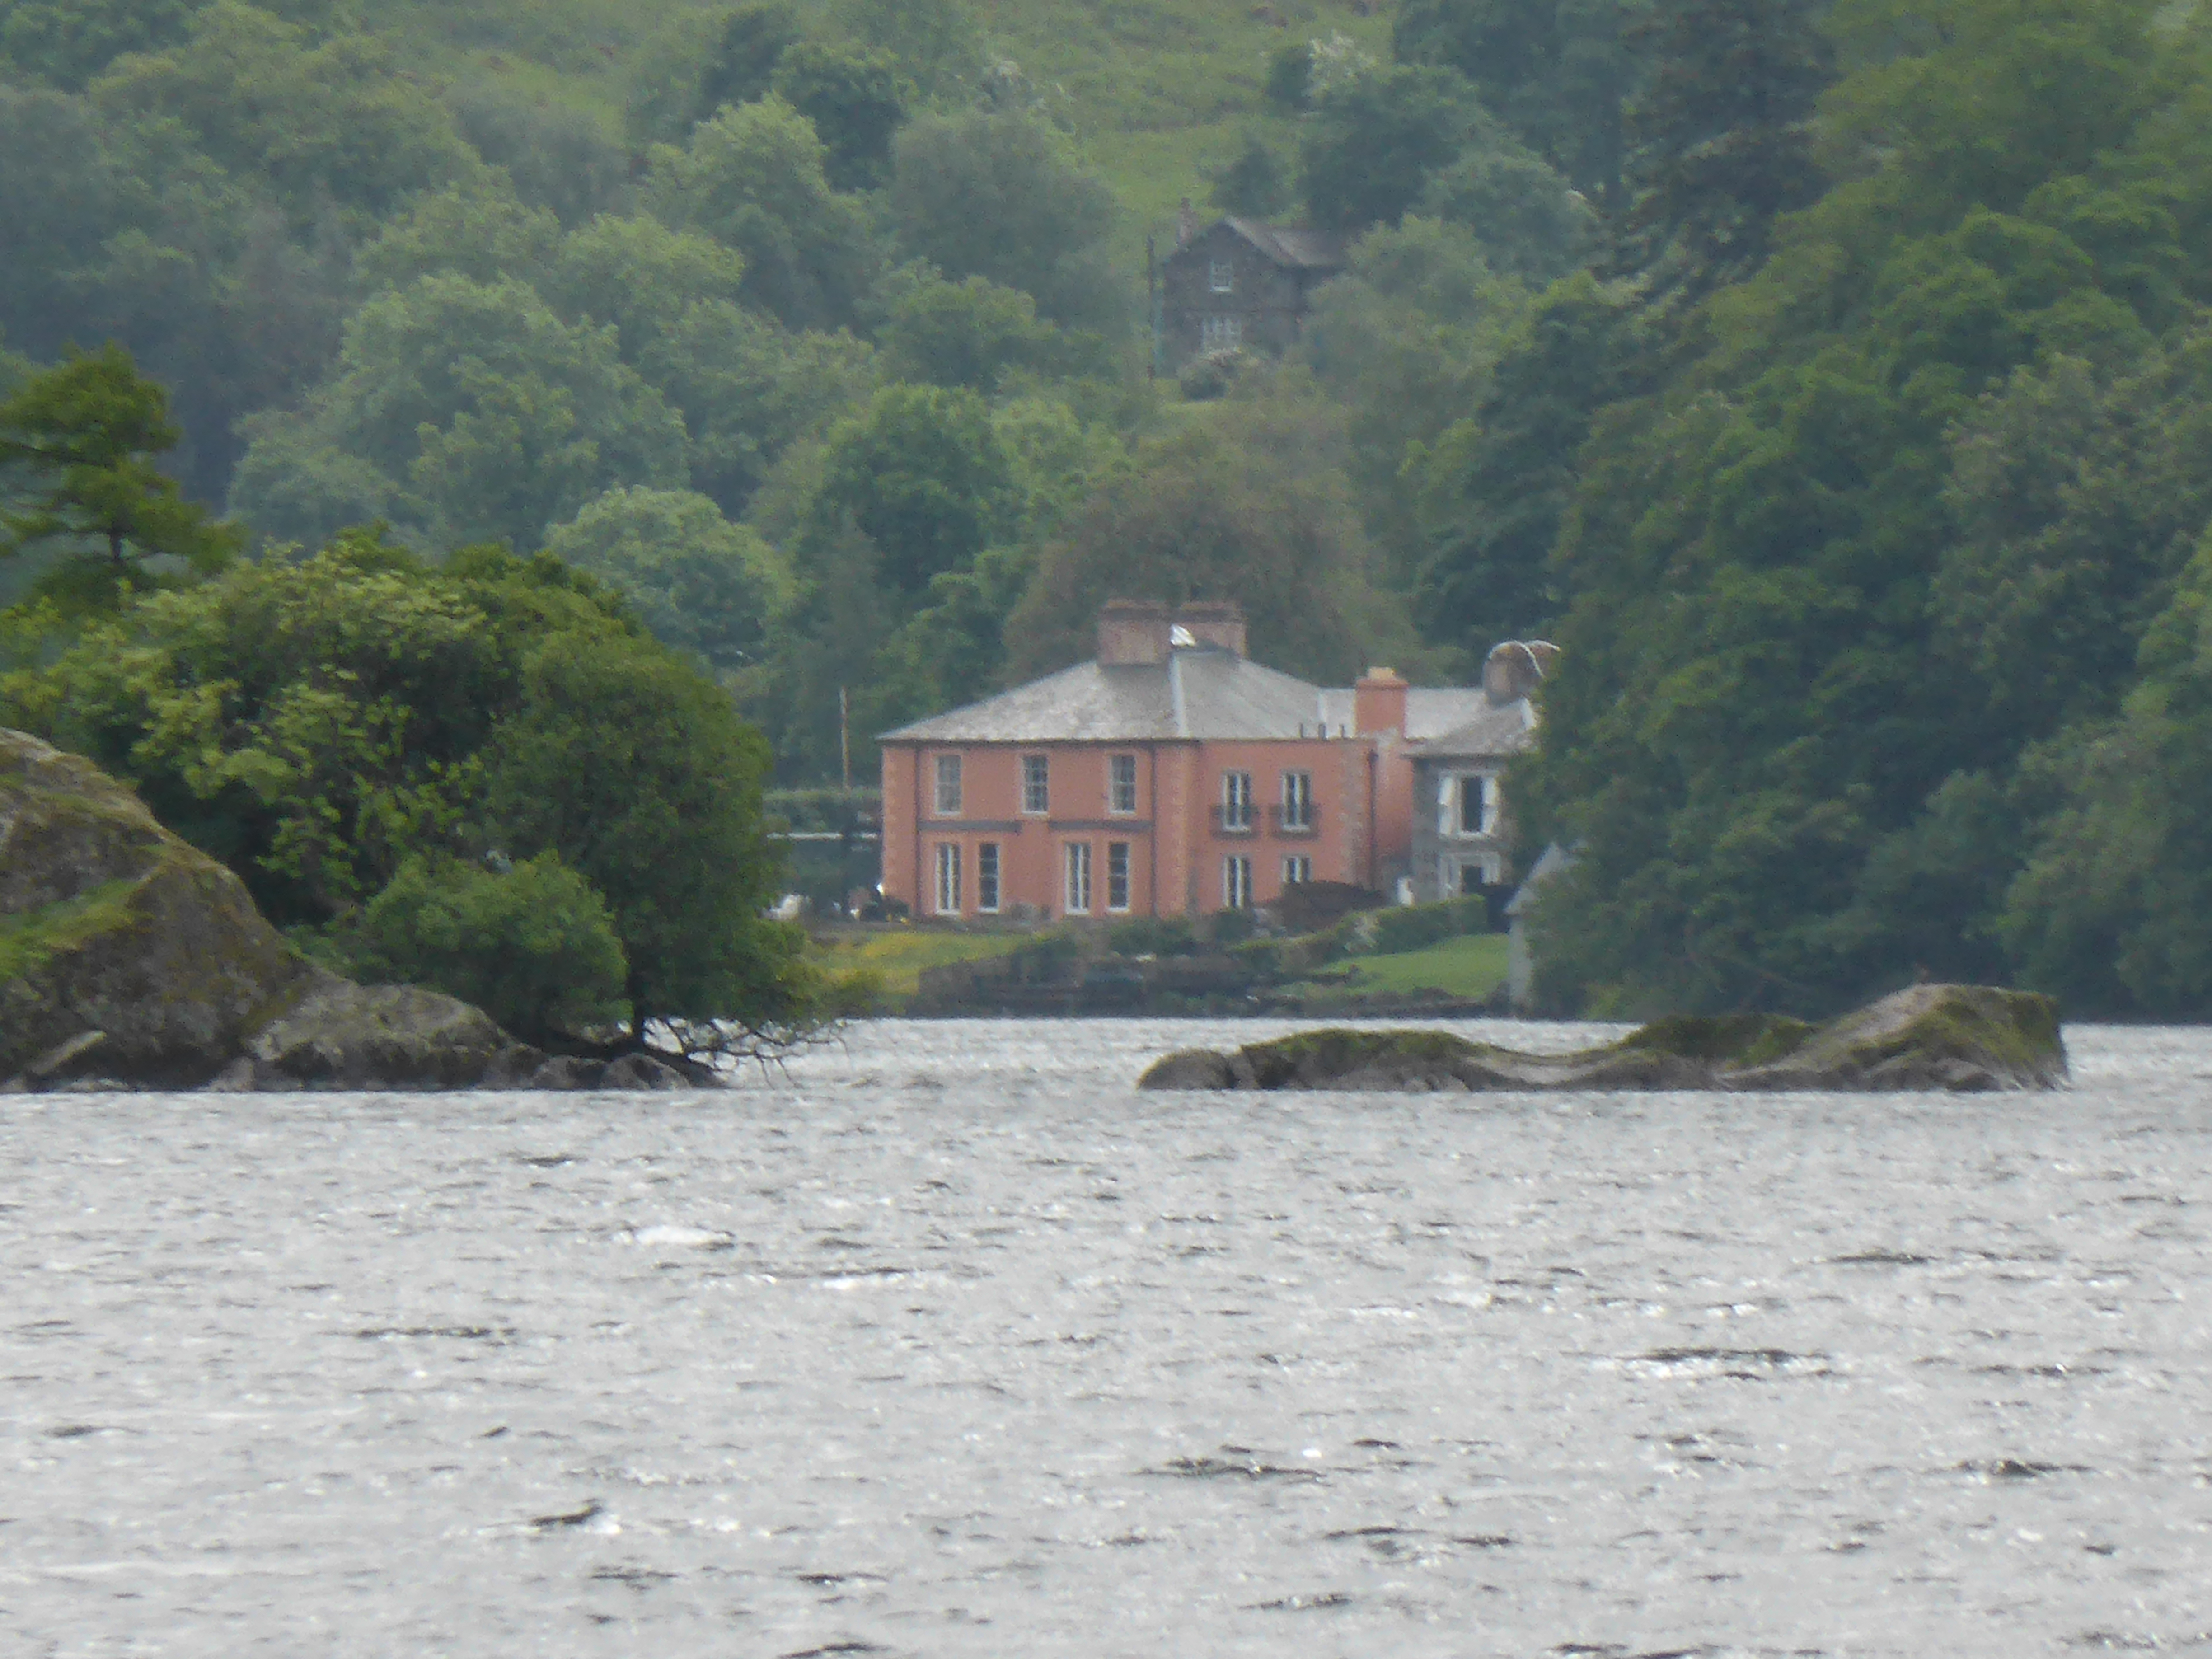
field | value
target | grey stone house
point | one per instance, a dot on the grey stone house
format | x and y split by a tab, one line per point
1240	284
1462	831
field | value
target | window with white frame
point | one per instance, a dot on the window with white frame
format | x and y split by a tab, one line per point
1221	334
1236	883
987	878
1470	803
1036	783
1298	800
948	786
1236	800
1121	785
1078	878
948	879
1221	276
1117	875
1296	867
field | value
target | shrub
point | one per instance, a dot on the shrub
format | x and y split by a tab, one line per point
534	946
1416	926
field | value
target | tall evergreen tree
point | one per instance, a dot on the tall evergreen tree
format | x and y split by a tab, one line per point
1720	138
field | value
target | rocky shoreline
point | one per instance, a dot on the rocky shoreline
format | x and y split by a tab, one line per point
130	959
1951	1038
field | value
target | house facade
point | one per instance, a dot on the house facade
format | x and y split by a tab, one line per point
1170	776
1238	283
1462	834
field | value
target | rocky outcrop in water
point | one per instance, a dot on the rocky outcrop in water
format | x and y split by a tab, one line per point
1959	1038
128	956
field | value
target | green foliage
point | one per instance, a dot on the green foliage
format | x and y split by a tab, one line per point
1256	183
533	946
855	101
1249	506
754	179
468	410
741	66
323	125
640	776
698	582
81	439
1555	71
65	45
969	334
921	474
1720	136
1289	75
559	158
1405	341
1899	511
991	196
1373	142
364	737
1490	492
312	724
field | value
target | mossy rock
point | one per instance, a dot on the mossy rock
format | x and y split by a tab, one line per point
1949	1038
127	954
110	924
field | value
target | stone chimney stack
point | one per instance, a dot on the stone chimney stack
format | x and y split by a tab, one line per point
1133	633
1186	223
1513	670
1217	622
1378	701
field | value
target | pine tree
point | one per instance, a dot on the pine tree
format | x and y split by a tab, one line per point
85	433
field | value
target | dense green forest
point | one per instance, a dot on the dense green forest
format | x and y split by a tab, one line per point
1827	376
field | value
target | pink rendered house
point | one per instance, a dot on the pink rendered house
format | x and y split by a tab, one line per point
1172	776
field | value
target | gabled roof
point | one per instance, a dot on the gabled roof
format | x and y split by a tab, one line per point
1496	729
1198	693
1303	250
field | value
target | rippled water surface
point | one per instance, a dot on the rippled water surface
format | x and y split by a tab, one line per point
950	1343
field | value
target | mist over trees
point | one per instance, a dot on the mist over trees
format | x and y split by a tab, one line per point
1829	377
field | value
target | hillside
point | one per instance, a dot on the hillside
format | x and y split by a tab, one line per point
1152	93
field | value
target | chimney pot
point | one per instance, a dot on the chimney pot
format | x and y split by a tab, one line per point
1378	701
1132	633
1216	622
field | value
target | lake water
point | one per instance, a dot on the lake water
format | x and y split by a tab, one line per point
950	1343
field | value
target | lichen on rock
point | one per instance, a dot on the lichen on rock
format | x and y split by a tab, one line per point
1951	1037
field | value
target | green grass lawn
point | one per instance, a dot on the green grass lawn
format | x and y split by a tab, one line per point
898	956
1472	966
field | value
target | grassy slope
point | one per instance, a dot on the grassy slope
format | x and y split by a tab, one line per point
1153	89
1472	966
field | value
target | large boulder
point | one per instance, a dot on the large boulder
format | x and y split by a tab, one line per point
123	951
126	954
1950	1037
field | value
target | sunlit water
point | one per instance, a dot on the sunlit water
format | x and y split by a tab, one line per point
950	1343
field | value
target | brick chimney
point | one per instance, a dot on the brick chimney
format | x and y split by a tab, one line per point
1132	633
1513	670
1217	622
1186	223
1378	701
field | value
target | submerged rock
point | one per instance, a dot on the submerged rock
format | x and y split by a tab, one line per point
129	956
1960	1038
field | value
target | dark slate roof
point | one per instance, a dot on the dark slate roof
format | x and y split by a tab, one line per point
1310	249
1496	729
1196	693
